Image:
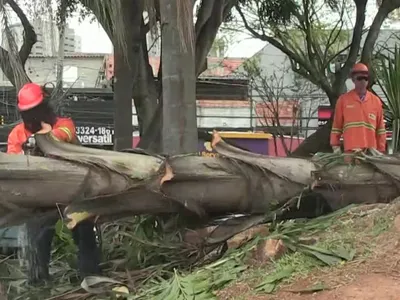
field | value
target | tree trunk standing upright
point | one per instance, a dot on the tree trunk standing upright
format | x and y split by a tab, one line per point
123	101
179	123
126	48
61	39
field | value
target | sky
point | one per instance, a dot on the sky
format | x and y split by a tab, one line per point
94	39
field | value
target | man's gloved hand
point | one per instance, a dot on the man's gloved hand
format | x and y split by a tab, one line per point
336	149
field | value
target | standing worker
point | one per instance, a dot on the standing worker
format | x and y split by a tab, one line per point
39	118
358	117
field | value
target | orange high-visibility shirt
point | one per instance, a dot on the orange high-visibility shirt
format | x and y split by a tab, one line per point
360	122
63	130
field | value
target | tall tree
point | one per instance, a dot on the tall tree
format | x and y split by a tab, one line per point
147	90
312	57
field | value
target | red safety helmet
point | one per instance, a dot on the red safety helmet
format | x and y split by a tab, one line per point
359	68
30	96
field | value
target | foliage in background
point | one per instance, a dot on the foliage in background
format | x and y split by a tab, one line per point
314	58
389	79
312	42
273	93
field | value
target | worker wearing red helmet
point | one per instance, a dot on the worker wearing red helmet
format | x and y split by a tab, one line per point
39	118
358	117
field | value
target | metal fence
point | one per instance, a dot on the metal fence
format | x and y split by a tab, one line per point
95	108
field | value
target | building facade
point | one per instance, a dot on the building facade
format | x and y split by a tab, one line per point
47	38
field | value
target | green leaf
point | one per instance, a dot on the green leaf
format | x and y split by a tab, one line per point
269	284
338	254
327	259
346	254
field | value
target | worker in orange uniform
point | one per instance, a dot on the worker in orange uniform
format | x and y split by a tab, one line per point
39	118
358	117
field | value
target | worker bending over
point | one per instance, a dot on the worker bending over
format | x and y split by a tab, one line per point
358	117
39	118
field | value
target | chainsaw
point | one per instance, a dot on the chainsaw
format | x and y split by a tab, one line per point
30	148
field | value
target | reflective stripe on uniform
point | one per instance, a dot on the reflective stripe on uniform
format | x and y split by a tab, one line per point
358	124
336	130
381	131
67	131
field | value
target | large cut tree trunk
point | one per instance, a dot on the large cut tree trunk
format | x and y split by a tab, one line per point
92	182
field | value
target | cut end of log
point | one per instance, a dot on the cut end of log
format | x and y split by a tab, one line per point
216	138
76	218
169	174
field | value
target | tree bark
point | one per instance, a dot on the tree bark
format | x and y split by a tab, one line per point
99	182
211	15
147	98
126	64
179	129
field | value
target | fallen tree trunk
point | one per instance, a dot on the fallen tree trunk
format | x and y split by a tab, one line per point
92	182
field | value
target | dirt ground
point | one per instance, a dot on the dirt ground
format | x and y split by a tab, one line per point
372	277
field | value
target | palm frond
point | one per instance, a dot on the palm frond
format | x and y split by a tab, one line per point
389	78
